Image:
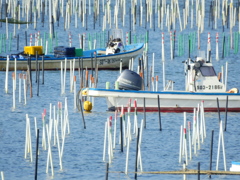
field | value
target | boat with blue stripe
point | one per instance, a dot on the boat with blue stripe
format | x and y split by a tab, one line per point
202	85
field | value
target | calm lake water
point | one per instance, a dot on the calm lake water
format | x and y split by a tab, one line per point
83	149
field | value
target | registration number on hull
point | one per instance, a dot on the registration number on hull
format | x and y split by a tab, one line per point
108	61
209	87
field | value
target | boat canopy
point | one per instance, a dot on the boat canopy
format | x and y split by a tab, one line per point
116	34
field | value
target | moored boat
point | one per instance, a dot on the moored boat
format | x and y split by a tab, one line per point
202	85
109	62
116	54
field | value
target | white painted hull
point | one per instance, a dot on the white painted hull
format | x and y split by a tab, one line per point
170	101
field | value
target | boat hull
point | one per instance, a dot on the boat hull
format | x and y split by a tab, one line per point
110	62
169	101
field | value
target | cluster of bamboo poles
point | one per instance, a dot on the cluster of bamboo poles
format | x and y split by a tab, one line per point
54	132
164	13
168	13
129	129
191	137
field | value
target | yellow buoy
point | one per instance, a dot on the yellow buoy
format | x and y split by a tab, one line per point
87	106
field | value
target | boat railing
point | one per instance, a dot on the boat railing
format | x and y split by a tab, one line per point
169	86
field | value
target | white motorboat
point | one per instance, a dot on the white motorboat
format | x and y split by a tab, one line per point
202	84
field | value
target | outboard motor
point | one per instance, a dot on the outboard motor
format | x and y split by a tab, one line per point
130	80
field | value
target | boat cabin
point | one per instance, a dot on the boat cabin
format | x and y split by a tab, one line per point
114	46
201	77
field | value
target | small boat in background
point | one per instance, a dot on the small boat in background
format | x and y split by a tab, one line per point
202	85
116	54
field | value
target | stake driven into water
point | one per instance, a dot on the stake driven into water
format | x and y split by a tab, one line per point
221	143
14	90
36	161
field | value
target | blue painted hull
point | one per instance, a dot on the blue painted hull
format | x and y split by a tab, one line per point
89	60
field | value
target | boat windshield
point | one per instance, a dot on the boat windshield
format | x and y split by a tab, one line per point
207	71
